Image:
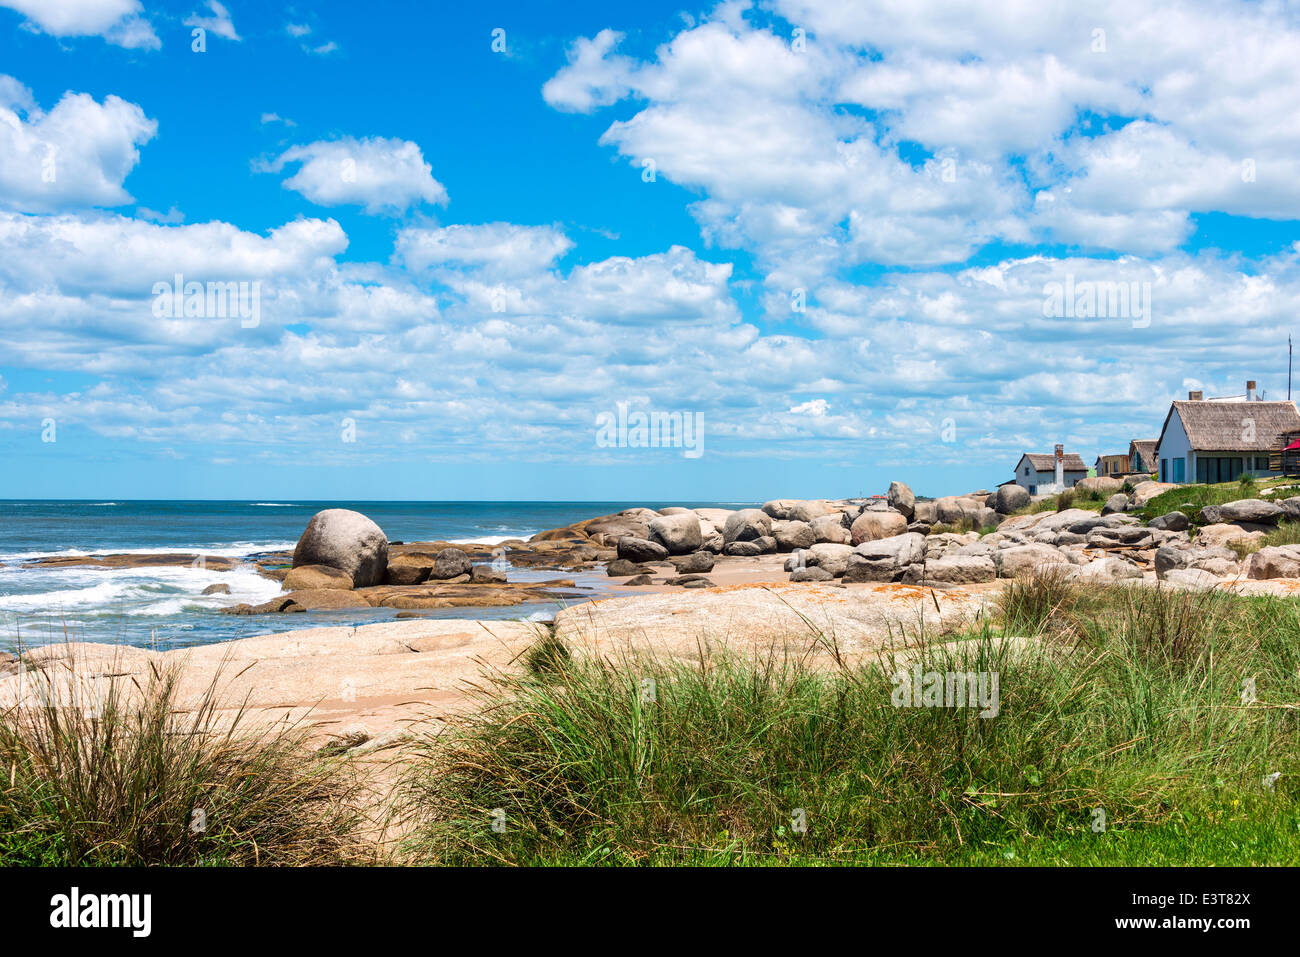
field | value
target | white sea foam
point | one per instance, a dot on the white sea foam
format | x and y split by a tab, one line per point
489	539
158	591
219	550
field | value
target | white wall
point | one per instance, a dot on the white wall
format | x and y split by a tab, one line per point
1175	445
1037	483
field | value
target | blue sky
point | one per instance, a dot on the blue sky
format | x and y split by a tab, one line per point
462	258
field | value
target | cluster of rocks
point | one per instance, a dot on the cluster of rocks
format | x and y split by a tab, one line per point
1079	544
344	560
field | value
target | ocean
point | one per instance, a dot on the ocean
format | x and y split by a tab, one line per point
165	607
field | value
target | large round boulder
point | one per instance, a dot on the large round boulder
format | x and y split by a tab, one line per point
348	541
779	508
791	535
640	550
679	534
1011	498
1027	560
831	528
953	509
1100	483
831	556
1250	510
1276	561
902	500
870	526
807	511
747	525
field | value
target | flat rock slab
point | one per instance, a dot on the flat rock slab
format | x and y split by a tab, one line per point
376	677
862	619
215	563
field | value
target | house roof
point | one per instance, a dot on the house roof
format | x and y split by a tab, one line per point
1146	450
1220	426
1047	463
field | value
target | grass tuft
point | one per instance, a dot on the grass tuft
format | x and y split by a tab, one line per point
119	774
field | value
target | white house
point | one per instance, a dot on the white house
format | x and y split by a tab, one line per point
1216	440
1037	473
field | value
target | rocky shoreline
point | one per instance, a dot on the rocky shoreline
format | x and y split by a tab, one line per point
344	560
873	574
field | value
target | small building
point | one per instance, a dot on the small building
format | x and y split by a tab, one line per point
1142	456
1217	440
1111	466
1037	473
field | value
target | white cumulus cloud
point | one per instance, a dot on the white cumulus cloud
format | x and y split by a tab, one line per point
77	154
120	22
385	176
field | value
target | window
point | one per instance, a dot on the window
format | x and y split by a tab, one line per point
1164	470
1213	469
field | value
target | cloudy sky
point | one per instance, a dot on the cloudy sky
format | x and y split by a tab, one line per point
828	227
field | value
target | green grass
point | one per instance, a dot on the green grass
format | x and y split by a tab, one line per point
120	775
961	527
1128	700
1190	499
1089	499
1286	533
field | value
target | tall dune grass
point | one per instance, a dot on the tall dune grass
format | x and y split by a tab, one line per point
1122	702
119	774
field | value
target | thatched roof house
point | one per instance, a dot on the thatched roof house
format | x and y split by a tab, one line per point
1142	455
1216	441
1037	472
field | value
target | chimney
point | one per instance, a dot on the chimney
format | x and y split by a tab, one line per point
1196	396
1250	391
1060	468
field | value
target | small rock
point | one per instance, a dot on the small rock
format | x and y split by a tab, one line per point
487	575
622	568
406	574
694	563
641	550
1116	503
1171	522
811	574
689	581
